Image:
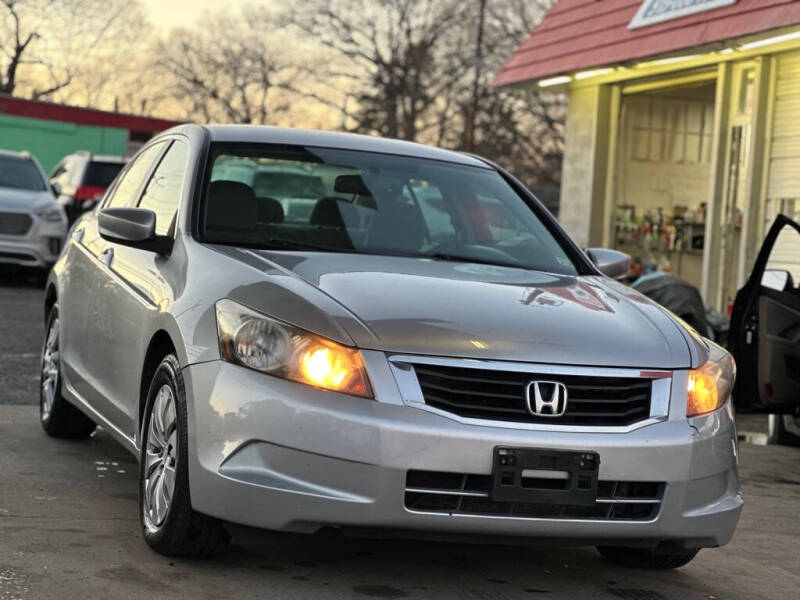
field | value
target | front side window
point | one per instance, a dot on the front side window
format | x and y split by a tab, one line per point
125	193
332	200
163	192
20	174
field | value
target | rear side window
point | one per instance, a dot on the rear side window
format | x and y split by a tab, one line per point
101	174
163	192
125	193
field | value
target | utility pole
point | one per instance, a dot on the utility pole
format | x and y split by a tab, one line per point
473	111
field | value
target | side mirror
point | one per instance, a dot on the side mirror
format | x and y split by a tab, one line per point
611	263
56	188
135	227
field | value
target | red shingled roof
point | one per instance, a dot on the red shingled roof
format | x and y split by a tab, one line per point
82	116
582	34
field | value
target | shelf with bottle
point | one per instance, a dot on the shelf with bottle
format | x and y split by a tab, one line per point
678	230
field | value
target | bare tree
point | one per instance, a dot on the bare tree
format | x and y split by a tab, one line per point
422	70
44	44
521	129
391	62
231	68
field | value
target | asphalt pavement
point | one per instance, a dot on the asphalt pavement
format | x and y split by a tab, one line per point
21	330
69	527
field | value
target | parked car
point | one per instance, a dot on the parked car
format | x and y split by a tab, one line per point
82	178
346	371
765	334
32	224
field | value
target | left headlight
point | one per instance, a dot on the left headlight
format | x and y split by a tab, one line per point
710	384
256	341
51	215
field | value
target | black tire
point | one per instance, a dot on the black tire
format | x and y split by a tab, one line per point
181	531
42	275
778	434
645	558
58	417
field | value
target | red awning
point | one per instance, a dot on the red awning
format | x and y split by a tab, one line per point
80	116
584	34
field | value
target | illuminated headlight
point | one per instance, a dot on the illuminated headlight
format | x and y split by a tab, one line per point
51	215
711	384
256	341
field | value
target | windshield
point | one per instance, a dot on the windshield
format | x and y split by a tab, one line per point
21	174
332	200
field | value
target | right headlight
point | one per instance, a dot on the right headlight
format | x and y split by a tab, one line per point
710	384
253	340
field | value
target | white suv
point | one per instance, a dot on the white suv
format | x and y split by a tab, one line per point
32	224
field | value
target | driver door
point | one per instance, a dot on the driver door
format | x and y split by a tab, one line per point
765	326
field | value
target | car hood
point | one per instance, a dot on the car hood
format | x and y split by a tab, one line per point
14	200
432	307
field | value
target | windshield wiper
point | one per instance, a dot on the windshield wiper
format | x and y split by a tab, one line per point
281	244
468	259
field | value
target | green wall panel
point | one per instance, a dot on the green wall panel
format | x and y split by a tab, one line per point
49	141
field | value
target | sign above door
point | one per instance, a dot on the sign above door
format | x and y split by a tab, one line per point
658	11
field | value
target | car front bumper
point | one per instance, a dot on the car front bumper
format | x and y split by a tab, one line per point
273	454
39	247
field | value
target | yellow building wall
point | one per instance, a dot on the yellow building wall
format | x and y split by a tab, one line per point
580	166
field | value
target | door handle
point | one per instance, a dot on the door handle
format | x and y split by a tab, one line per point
107	256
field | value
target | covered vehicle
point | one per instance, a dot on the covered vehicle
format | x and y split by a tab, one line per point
677	295
685	301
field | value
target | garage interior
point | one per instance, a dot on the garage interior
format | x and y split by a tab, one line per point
663	176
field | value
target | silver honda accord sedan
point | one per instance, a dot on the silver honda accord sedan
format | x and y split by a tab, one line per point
297	330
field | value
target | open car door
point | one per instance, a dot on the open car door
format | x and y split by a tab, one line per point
765	326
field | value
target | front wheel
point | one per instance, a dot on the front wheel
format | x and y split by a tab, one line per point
646	558
57	416
169	524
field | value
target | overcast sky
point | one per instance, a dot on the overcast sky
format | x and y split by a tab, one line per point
169	13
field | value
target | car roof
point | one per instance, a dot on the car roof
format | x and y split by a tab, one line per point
329	139
107	158
17	155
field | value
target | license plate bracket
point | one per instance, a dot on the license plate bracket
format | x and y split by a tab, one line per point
542	476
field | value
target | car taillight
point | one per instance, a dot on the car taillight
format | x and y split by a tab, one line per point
88	192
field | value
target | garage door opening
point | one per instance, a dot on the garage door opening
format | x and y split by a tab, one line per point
663	176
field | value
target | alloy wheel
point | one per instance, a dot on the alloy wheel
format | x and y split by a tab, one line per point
49	380
160	458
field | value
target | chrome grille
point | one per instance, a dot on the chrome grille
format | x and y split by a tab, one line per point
500	395
468	494
12	223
